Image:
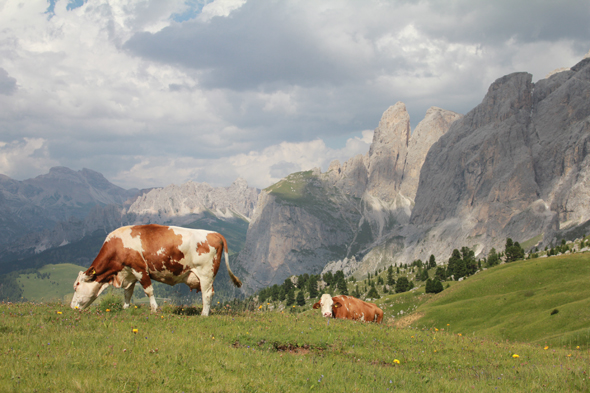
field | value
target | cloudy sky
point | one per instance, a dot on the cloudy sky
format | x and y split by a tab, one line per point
152	92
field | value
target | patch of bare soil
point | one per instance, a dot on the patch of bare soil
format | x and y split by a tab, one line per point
405	321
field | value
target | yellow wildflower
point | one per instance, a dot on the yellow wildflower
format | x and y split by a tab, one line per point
108	310
435	329
569	355
162	317
396	361
459	334
578	347
515	356
546	347
135	331
59	312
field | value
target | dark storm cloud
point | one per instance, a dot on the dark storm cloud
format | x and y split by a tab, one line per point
7	83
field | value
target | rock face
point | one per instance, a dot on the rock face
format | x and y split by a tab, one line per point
387	155
179	204
436	122
310	218
515	166
299	223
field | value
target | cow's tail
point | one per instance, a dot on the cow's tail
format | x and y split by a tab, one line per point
234	279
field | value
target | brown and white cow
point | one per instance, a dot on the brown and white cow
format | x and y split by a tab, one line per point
143	253
348	307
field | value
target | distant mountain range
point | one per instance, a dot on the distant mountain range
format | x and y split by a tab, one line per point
517	165
66	206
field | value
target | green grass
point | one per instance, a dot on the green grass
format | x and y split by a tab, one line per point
514	301
57	287
526	245
52	348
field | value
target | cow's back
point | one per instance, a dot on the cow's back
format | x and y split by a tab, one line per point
356	309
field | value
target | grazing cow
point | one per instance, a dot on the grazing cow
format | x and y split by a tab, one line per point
348	307
144	253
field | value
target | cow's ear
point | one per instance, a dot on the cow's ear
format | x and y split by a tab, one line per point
316	306
102	288
90	274
337	304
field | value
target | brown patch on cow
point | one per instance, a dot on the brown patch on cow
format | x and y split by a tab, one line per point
405	321
112	258
355	309
161	248
215	240
203	248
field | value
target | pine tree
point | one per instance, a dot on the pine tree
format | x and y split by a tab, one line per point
440	273
493	258
373	294
291	297
342	286
282	293
402	285
312	287
300	299
438	287
428	288
390	279
385	289
432	262
513	251
453	260
288	285
355	292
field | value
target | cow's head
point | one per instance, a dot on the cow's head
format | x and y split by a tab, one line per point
326	303
86	290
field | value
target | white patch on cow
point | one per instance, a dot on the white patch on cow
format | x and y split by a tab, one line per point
161	251
85	291
124	233
326	304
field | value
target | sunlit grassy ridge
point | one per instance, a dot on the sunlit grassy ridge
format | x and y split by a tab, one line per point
515	301
53	348
55	287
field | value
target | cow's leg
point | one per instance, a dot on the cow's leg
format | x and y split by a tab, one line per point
207	292
128	294
149	292
146	283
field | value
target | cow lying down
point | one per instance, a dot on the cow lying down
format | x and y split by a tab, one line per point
348	307
143	253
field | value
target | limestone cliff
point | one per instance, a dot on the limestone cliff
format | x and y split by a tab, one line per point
515	166
310	218
179	204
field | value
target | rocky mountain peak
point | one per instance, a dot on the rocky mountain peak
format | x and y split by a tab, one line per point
435	124
387	154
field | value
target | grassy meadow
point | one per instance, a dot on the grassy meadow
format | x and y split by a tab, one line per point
51	348
495	331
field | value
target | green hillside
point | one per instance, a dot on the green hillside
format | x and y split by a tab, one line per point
52	283
543	300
